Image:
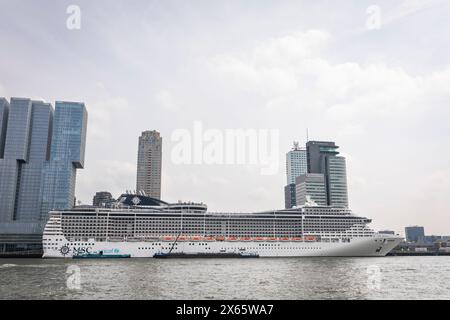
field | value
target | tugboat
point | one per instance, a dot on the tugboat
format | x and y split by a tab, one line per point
100	255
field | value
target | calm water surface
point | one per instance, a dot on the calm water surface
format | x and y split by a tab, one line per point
293	278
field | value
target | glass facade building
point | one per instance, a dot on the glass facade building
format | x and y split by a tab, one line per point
415	234
40	150
290	197
323	158
311	187
66	156
296	165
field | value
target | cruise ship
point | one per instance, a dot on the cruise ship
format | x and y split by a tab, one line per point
138	226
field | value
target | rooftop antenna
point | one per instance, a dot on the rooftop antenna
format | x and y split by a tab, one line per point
307	135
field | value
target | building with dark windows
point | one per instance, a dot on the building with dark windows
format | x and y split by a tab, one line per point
310	188
102	199
290	197
66	156
32	137
323	158
415	234
296	165
149	164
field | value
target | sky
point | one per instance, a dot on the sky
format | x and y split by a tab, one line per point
373	76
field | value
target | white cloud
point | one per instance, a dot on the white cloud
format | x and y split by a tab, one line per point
291	74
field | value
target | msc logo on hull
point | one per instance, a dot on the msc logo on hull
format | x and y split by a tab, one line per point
65	250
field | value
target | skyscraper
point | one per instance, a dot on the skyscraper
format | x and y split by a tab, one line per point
311	187
296	165
66	156
28	144
25	152
149	164
323	158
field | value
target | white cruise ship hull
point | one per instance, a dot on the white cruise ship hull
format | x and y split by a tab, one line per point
376	246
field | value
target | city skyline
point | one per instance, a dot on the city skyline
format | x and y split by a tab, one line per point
384	102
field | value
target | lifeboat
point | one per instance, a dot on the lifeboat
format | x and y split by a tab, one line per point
260	239
232	239
246	239
183	238
297	239
167	238
310	238
196	238
220	238
272	239
285	239
209	239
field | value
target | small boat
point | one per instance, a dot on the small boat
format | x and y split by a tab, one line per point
210	239
100	255
246	239
167	238
249	255
196	238
285	239
220	238
260	239
310	238
183	238
232	239
297	239
272	239
181	255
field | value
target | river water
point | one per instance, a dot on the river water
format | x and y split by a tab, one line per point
264	278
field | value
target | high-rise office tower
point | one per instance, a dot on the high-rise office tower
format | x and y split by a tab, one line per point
149	164
66	156
323	158
26	148
296	165
30	132
310	187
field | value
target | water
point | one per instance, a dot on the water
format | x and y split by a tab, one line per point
264	278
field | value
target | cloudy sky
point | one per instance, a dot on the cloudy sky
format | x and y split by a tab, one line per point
374	76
